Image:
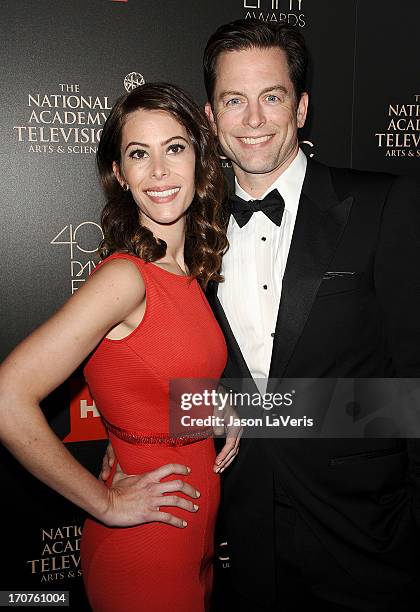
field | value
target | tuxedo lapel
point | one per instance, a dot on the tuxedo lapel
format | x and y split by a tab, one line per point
319	225
236	366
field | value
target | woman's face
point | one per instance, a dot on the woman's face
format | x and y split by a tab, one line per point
158	164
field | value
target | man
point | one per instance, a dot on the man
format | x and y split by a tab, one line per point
328	289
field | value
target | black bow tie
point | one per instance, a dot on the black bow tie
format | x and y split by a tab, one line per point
272	206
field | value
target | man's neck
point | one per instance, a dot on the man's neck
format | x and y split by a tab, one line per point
257	184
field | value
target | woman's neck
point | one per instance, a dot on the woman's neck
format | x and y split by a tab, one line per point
174	236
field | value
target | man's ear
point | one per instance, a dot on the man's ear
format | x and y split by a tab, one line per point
117	174
302	109
209	112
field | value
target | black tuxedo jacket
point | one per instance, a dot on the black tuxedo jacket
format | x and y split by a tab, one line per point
360	497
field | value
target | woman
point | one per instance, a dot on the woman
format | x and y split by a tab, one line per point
141	320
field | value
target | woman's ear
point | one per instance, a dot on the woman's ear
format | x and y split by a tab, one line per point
118	175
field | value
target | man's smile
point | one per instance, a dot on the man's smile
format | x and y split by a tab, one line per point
256	140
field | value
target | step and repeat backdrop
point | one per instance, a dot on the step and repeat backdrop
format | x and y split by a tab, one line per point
64	63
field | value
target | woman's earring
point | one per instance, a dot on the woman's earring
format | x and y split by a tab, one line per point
126	187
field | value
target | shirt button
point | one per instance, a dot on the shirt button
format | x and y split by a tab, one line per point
263	238
265	286
272	335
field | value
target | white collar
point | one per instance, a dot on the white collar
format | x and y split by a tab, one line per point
288	184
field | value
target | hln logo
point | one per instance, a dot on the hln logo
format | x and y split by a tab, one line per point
85	421
87	409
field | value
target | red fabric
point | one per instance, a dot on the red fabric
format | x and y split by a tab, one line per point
155	567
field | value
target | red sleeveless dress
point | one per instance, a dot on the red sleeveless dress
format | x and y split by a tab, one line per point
155	567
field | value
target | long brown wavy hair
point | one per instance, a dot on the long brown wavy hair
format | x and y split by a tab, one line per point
205	237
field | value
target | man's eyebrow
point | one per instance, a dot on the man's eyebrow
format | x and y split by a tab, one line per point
230	92
165	142
276	87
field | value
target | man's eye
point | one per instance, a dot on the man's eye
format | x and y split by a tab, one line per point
176	148
233	102
272	98
138	154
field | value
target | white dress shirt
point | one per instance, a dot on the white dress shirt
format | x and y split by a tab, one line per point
254	268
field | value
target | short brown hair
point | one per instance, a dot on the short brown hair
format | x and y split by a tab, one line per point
253	33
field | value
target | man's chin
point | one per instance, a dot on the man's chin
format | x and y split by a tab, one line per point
260	168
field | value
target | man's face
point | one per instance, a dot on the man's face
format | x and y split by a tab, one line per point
255	113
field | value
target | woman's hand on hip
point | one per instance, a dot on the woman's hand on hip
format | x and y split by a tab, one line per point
138	499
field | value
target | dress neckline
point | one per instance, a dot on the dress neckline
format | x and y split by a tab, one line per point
188	276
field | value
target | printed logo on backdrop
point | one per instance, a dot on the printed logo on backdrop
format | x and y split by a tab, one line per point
307	147
82	241
281	11
85	421
68	121
59	554
401	137
133	80
224	161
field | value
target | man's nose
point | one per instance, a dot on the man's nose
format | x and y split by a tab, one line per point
254	116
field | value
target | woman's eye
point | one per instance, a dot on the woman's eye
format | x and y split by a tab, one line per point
137	154
176	148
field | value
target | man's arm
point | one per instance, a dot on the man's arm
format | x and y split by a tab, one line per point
397	274
397	280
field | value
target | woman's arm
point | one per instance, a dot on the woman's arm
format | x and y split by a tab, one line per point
45	360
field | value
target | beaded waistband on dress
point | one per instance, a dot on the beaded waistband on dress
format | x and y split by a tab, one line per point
163	439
